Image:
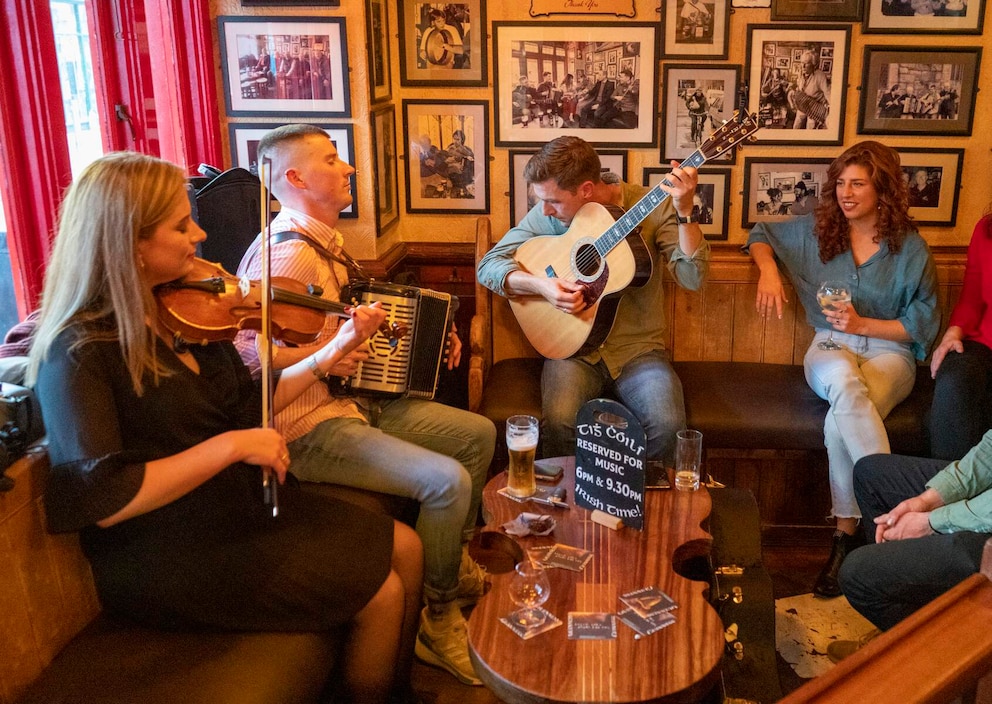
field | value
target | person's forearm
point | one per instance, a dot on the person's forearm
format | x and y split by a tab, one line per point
763	256
690	237
520	283
881	329
298	377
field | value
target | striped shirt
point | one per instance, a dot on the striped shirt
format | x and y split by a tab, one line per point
297	260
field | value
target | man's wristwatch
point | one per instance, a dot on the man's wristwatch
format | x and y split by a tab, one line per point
685	221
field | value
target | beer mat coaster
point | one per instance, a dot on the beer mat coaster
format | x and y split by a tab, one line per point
645	626
543	494
585	625
566	556
530	524
537	554
648	601
545	621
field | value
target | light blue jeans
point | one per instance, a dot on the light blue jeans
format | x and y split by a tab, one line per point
436	454
863	382
647	386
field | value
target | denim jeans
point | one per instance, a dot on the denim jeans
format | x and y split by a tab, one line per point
962	401
648	387
886	582
863	382
419	449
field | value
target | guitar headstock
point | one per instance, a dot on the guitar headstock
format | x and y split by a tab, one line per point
730	134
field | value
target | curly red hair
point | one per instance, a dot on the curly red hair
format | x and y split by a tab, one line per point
833	231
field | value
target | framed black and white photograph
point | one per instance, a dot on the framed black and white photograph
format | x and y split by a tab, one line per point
284	65
818	10
377	37
291	3
244	149
698	98
919	90
522	197
797	77
443	44
777	189
934	177
447	160
924	16
554	79
696	29
387	194
711	203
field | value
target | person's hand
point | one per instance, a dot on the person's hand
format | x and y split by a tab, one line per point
844	319
363	323
454	356
771	294
904	520
348	365
683	186
950	343
566	296
265	447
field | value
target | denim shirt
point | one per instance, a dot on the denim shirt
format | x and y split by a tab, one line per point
889	286
966	488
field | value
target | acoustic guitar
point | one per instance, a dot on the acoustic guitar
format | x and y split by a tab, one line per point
606	254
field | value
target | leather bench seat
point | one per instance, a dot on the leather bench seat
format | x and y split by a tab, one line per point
736	405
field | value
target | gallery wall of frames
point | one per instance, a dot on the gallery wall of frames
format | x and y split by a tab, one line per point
440	104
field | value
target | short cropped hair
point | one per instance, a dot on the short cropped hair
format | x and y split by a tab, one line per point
568	161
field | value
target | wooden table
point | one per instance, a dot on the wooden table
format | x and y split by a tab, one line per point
677	664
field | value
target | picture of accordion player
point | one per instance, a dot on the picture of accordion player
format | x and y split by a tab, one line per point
810	97
411	447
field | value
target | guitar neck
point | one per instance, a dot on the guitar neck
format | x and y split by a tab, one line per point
641	209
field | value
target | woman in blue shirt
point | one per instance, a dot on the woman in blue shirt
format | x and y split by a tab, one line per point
860	234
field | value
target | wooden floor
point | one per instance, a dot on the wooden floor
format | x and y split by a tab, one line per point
793	571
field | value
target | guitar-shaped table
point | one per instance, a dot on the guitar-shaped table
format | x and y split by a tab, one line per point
607	255
679	663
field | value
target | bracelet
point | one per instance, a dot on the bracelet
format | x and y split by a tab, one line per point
315	369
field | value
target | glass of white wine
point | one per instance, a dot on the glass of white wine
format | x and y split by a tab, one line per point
529	589
829	296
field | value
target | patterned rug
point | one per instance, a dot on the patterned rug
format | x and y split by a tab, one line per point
805	625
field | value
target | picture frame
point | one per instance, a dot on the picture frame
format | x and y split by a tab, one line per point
446	179
384	171
943	104
443	44
291	3
762	174
816	10
713	188
377	38
777	65
533	108
695	29
244	138
899	17
255	87
522	197
682	134
933	196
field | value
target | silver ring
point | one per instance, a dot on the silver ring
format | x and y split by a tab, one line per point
284	457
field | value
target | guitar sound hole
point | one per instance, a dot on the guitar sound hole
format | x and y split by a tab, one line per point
587	260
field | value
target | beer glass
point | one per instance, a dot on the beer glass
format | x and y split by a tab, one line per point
688	455
521	441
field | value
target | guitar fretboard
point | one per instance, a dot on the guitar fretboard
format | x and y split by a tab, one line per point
641	209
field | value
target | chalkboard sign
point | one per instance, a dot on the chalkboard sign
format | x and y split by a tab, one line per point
609	461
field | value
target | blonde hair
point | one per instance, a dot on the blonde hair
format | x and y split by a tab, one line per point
95	273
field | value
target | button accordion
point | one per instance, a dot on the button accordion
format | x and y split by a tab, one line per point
409	366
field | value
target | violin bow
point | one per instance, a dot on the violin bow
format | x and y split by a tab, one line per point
270	484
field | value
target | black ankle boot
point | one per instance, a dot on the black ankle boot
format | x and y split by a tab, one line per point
827	585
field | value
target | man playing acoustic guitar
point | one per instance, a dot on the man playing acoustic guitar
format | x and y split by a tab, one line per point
631	363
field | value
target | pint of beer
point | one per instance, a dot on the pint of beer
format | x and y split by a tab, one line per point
521	441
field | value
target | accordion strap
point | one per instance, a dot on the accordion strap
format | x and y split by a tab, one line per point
344	258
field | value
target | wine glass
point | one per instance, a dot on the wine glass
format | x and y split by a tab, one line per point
529	588
829	295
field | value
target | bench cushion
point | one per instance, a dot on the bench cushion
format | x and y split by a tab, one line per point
737	405
115	662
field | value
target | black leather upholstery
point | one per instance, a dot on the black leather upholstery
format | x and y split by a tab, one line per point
228	209
737	405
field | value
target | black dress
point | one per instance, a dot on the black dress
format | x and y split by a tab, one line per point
214	557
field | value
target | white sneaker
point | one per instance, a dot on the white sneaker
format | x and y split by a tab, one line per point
444	643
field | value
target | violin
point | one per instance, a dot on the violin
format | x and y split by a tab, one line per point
209	304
